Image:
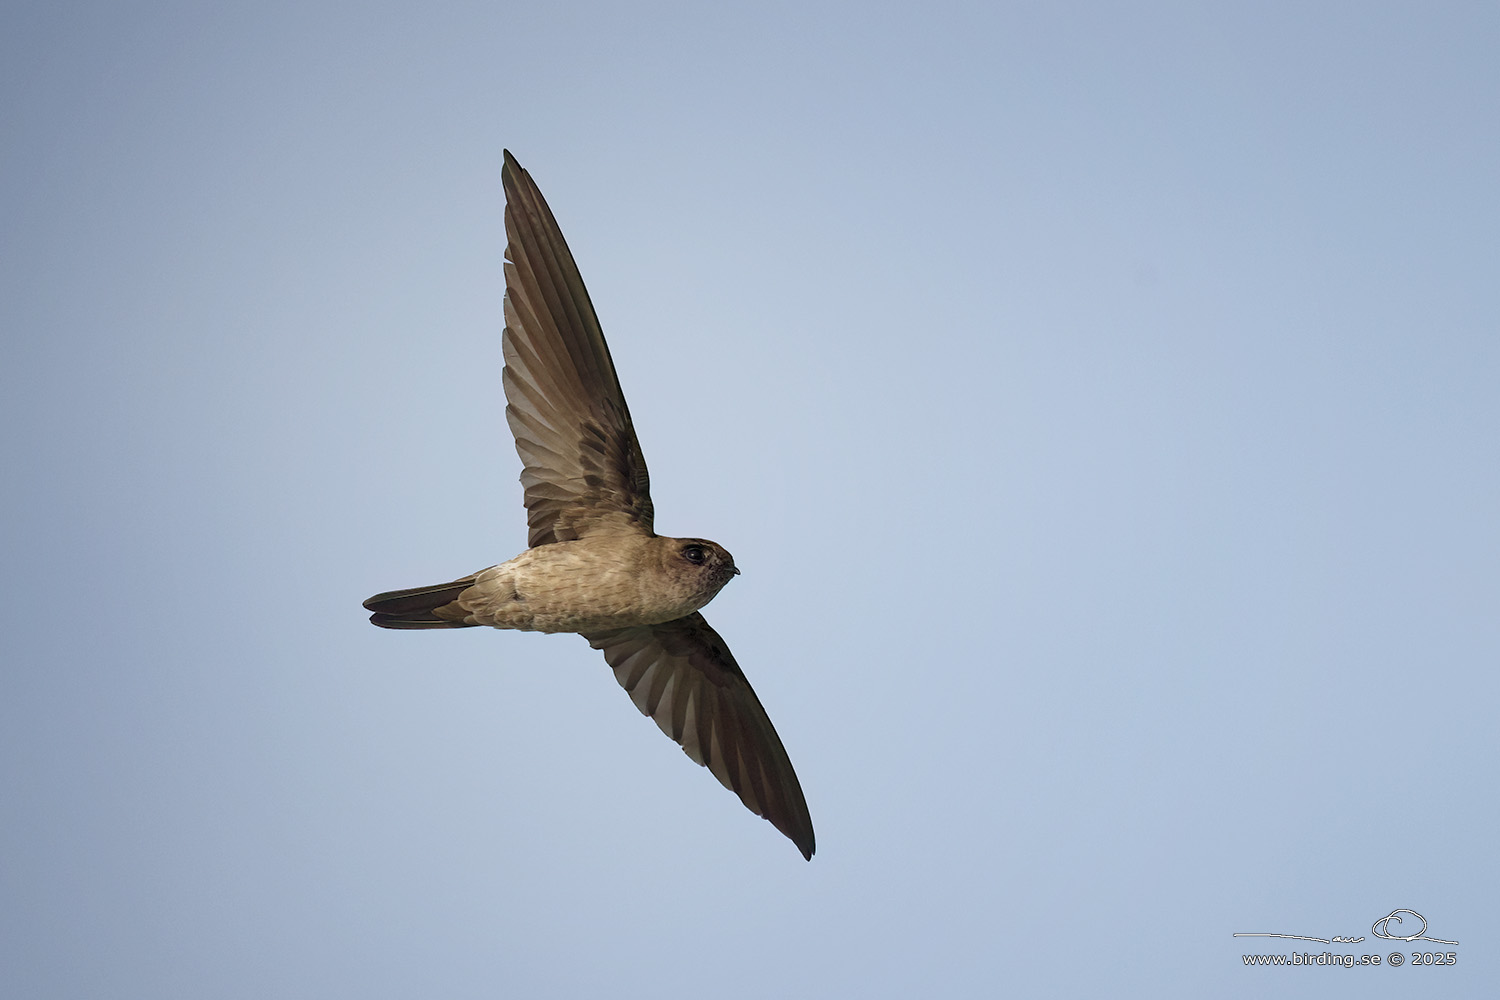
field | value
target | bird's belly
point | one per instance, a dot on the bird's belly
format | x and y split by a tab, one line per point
558	588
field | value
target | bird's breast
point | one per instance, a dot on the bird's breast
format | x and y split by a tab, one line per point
589	585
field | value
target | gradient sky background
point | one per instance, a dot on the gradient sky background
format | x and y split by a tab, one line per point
1101	401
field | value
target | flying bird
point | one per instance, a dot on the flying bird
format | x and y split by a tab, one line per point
595	564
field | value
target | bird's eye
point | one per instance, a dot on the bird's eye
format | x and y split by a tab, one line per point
694	554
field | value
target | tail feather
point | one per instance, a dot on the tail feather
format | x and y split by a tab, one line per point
421	607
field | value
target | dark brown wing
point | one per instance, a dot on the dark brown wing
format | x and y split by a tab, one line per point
583	466
683	676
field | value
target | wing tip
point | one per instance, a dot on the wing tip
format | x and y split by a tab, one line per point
799	830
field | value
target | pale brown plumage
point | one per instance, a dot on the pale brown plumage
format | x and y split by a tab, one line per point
595	565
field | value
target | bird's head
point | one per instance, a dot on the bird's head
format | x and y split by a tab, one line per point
701	566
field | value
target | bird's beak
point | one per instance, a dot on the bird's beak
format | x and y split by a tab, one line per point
736	571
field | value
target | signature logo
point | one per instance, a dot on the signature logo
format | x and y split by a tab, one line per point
1380	928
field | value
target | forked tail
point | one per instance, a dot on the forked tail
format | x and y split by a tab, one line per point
421	607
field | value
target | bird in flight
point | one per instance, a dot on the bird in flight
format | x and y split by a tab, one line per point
594	564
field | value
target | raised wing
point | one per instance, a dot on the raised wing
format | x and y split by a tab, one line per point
682	675
583	466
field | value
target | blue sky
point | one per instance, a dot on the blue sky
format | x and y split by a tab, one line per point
1099	399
